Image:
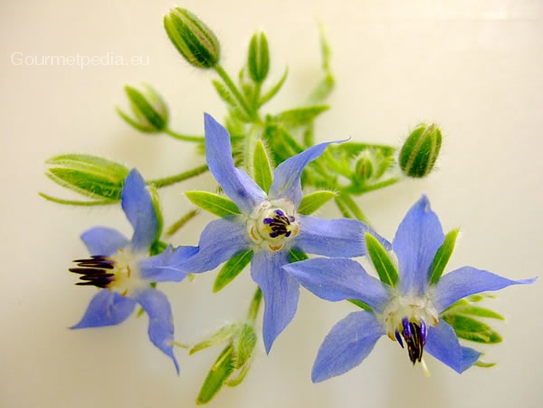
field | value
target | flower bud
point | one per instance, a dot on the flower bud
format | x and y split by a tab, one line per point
149	109
258	60
420	150
365	166
90	176
192	38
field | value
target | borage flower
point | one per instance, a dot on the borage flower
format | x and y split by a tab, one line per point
407	308
122	269
268	226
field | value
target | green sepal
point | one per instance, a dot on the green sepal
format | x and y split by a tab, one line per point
219	373
296	255
381	261
315	200
258	60
263	174
360	304
234	382
471	329
214	203
442	256
91	176
273	90
464	307
149	109
223	335
300	116
482	364
245	342
231	269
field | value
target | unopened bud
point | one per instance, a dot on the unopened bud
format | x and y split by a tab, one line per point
192	38
258	60
149	109
420	151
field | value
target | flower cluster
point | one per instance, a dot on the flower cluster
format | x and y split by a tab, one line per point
272	177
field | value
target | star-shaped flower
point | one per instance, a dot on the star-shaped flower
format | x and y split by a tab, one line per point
123	270
409	308
268	224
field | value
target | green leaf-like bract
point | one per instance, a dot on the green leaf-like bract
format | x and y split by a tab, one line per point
381	261
297	255
442	257
313	201
214	203
262	168
231	269
471	329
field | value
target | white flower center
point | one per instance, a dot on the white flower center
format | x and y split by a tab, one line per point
272	224
119	272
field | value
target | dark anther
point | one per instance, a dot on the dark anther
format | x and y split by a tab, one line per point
279	224
415	336
95	271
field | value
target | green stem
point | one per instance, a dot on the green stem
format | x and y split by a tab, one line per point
179	136
359	190
255	305
176	226
352	207
168	181
237	94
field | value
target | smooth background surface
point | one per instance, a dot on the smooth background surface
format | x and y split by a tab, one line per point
473	67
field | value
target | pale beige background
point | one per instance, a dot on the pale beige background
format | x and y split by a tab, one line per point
475	67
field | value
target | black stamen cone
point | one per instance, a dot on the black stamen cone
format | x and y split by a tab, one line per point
415	343
95	271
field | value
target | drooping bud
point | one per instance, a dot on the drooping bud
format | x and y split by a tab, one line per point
149	109
420	151
258	60
365	166
91	176
192	38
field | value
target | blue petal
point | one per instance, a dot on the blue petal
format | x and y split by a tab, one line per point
139	209
236	184
348	343
286	178
339	238
415	244
220	240
338	279
156	305
467	281
161	268
104	241
443	344
106	309
280	292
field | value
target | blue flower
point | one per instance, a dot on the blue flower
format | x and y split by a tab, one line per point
270	226
410	310
123	270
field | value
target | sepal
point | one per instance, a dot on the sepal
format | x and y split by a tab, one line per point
420	150
313	201
231	269
380	259
442	257
258	60
214	203
263	174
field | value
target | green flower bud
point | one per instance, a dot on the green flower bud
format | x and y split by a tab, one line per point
365	166
192	38
149	109
420	150
258	60
91	176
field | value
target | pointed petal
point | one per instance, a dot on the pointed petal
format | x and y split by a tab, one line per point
348	343
161	268
338	238
280	292
286	178
443	344
415	244
156	305
338	279
104	241
220	240
467	281
236	184
106	309
138	206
